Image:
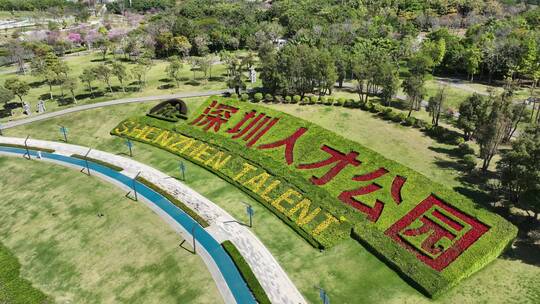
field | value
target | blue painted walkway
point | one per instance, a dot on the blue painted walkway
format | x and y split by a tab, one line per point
233	278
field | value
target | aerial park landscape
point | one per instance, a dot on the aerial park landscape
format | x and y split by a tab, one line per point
197	151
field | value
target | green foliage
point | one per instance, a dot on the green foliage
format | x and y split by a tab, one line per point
244	97
5	95
234	96
469	161
296	99
409	121
472	113
99	162
418	188
17	87
176	202
14	289
464	149
268	98
519	169
246	272
288	99
257	97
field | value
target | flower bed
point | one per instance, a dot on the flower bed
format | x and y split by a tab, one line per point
328	188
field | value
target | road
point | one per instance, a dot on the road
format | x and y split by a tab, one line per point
75	109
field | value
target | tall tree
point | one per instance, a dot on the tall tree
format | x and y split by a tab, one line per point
88	76
120	72
491	133
17	87
17	52
5	95
413	86
473	112
435	105
71	84
472	58
519	169
174	70
182	45
104	73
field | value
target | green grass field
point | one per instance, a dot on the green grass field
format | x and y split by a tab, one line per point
157	84
48	220
348	271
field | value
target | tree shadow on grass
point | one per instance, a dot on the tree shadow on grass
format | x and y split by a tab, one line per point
166	86
526	247
217	78
89	96
65	101
193	83
453	153
166	80
36	84
100	60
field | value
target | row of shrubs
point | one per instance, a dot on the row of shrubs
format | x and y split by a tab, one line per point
194	215
99	162
246	272
387	113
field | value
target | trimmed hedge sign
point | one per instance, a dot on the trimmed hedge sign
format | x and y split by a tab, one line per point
328	188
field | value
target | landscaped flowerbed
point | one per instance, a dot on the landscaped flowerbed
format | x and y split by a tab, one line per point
328	188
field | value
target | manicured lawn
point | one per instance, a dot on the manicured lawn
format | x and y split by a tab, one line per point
49	221
348	271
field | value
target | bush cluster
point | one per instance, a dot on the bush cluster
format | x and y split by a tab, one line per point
173	200
246	272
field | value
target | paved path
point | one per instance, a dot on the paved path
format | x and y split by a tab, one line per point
223	226
49	115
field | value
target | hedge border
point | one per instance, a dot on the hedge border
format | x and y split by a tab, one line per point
29	147
175	201
304	234
413	271
99	162
246	272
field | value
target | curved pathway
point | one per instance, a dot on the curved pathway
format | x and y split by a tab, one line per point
34	118
223	226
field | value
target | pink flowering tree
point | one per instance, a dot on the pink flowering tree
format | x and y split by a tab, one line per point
91	37
75	38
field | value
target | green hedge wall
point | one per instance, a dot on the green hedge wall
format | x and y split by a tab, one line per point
307	150
99	162
247	273
176	202
29	147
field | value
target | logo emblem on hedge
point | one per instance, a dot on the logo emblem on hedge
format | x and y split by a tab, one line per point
171	110
436	232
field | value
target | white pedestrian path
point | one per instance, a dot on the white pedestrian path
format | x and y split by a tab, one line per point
274	280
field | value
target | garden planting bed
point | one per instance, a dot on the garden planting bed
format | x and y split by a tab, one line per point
328	188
